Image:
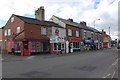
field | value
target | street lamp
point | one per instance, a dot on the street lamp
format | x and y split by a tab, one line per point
95	21
95	34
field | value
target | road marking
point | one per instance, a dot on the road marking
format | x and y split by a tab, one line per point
113	64
113	74
31	57
106	76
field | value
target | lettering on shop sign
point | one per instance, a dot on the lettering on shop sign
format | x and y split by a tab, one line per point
75	39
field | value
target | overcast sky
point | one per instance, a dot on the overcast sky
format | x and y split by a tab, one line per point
78	10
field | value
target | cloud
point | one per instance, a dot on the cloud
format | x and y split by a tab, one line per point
82	10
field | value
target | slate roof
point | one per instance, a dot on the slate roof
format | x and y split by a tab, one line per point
77	24
72	23
35	21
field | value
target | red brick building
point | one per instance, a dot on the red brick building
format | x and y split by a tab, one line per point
27	35
1	31
106	40
73	33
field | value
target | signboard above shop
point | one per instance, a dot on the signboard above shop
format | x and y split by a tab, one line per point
74	39
88	41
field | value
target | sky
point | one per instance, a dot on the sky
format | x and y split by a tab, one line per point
78	10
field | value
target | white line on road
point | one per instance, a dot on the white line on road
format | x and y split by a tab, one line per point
114	63
31	57
106	76
113	74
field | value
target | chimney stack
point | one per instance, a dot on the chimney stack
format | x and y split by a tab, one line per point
71	20
83	23
40	13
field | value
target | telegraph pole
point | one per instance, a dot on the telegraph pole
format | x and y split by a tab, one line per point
109	31
109	38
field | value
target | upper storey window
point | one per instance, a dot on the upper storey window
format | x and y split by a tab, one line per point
12	19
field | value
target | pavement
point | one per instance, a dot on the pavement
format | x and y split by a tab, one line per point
89	64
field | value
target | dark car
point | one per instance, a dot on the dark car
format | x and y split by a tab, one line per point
118	47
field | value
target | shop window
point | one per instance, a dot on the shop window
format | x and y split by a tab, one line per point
25	44
76	45
63	46
17	46
55	46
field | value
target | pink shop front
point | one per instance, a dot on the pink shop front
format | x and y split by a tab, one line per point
26	48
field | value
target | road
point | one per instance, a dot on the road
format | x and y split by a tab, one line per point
89	64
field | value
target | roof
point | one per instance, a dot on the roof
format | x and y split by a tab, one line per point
72	23
35	21
93	29
77	25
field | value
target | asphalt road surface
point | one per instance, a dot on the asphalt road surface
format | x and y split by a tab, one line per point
89	64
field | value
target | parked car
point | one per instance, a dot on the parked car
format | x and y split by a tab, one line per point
118	47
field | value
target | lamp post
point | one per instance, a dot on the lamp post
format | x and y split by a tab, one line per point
97	45
95	21
109	38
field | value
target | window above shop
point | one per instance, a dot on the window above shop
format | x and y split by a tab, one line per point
18	30
85	34
43	31
12	19
92	35
5	33
69	32
9	32
77	33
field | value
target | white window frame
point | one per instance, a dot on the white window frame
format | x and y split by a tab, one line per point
92	35
12	19
43	31
18	29
85	34
69	32
77	33
9	32
5	32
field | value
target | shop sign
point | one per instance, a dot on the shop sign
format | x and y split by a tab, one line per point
89	41
74	39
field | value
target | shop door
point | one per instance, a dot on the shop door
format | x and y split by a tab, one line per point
46	47
63	48
25	48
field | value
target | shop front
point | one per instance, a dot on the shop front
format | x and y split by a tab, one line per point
96	43
89	44
57	45
74	44
57	40
105	42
